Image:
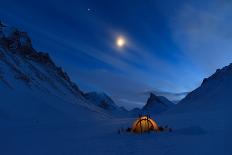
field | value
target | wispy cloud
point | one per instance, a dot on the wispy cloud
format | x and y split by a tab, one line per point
169	95
204	34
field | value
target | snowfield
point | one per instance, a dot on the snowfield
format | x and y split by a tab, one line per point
189	136
43	113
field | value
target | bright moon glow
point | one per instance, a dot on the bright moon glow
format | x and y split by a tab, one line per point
120	41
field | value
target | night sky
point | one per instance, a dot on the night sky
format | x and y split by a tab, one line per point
170	45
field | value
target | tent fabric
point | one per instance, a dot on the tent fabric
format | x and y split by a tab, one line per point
144	124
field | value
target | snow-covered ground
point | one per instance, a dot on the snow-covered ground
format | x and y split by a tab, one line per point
42	113
196	133
59	127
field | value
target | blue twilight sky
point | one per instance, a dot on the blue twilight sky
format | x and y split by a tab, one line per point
171	45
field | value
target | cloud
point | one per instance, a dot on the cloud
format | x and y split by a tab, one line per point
126	80
153	71
204	34
123	90
138	68
169	95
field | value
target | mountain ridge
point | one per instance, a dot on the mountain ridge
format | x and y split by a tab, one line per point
157	104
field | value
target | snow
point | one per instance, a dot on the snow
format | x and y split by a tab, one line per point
47	116
100	137
101	99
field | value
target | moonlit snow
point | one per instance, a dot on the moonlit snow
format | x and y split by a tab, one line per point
42	112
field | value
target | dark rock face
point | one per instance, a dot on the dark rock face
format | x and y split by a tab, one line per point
153	98
157	104
18	40
104	105
102	100
23	77
18	44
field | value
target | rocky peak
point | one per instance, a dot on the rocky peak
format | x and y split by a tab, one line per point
15	39
18	44
157	104
219	74
153	98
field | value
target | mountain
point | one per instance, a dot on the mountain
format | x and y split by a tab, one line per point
23	69
157	104
206	112
27	65
102	100
213	92
173	97
154	105
33	87
43	112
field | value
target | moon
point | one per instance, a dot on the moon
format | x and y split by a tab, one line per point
120	41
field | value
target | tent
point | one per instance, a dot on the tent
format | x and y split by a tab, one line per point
144	124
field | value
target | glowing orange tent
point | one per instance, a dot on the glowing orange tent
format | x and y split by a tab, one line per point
144	124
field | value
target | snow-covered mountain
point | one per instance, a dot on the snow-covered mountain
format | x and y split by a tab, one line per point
157	104
154	105
27	65
43	112
214	91
32	86
171	96
102	100
206	112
